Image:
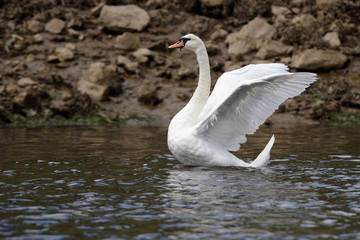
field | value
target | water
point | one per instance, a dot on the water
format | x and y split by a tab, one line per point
121	183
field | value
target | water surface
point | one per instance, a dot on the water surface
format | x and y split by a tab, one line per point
122	183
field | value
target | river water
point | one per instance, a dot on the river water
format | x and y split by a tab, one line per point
122	183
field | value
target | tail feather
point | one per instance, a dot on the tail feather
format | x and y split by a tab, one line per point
264	156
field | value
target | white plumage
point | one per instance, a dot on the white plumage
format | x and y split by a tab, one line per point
208	127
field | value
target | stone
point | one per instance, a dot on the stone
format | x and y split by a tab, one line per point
212	48
100	81
297	3
64	54
95	11
278	10
273	49
38	38
76	23
258	29
127	41
52	59
34	26
25	82
332	38
122	60
325	3
239	48
131	66
304	21
55	26
212	3
2	89
148	96
127	63
249	37
70	46
11	89
220	33
318	60
73	32
23	100
30	58
124	18
142	55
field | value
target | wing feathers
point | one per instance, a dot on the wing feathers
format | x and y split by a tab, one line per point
244	98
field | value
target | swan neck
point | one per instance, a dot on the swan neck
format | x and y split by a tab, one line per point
188	116
203	89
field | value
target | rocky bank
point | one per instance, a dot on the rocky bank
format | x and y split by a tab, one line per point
92	61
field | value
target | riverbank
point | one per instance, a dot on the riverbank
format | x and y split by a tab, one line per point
75	63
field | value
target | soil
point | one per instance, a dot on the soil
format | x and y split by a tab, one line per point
159	86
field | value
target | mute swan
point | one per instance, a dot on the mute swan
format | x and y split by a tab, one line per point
210	126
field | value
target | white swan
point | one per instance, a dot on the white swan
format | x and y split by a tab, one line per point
210	126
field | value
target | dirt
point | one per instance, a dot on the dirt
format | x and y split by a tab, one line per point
155	89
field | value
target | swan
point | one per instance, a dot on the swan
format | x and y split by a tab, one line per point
210	126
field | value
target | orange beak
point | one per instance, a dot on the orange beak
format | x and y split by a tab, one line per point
179	44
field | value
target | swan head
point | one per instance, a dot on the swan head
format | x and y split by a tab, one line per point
189	41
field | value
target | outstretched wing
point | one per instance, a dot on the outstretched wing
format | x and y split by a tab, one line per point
244	98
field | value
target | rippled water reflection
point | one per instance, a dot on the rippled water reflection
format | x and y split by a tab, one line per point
120	183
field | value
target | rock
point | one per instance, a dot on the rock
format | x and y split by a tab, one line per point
64	54
24	100
70	46
73	32
249	37
278	10
318	60
158	45
122	60
30	58
52	59
127	41
220	33
100	81
304	21
96	10
258	29
131	66
76	23
325	3
124	18
142	55
332	38
11	89
24	82
297	3
38	38
55	26
127	63
184	73
239	48
212	3
273	49
148	96
212	48
34	26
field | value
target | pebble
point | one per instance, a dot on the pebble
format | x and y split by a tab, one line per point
55	26
38	38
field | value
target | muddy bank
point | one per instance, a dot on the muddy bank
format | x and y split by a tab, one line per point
85	62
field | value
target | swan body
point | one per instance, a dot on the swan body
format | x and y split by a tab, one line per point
210	126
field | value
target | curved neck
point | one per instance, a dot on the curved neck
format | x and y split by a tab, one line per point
189	114
202	91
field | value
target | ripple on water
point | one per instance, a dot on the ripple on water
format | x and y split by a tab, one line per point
106	189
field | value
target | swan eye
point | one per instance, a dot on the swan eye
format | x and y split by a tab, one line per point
184	40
